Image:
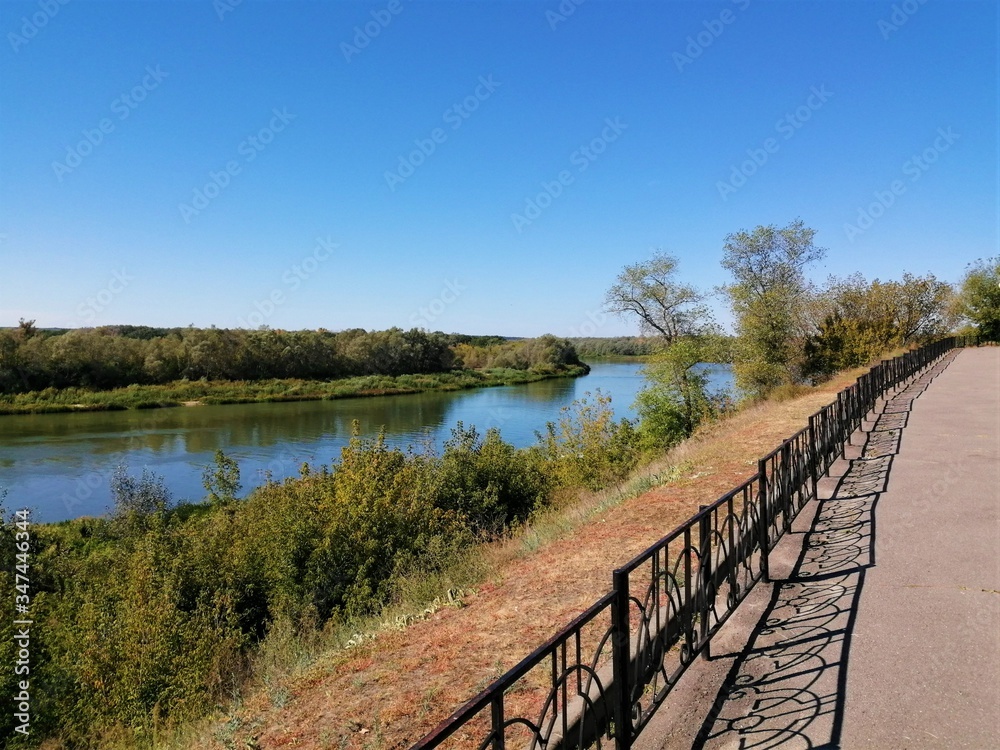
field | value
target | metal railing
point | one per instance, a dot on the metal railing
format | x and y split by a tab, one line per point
668	602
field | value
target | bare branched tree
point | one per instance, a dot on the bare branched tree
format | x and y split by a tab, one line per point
664	306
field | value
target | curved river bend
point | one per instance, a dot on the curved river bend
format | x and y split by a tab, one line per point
60	464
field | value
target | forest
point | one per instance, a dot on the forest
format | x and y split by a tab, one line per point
33	359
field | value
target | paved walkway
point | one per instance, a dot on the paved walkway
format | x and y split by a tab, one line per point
882	629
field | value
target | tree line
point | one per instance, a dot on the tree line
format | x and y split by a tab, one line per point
614	346
33	359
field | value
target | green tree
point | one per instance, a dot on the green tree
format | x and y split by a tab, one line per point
588	447
142	496
979	297
857	321
222	479
676	398
770	299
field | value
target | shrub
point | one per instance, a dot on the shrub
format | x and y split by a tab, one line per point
588	447
488	481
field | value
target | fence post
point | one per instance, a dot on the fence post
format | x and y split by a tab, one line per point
813	458
705	593
765	522
496	710
857	416
846	416
852	411
785	490
841	419
621	656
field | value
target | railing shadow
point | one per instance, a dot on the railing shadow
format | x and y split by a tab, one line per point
787	687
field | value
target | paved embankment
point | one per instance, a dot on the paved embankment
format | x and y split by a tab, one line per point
882	629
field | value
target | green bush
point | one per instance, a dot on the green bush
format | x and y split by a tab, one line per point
587	447
489	482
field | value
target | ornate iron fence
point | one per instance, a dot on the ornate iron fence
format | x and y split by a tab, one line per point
560	694
668	602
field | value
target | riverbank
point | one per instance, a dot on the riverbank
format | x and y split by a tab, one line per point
203	392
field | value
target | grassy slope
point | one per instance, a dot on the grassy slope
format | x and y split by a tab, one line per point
191	393
389	691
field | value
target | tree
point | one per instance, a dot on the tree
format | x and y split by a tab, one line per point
676	398
664	306
922	307
979	297
138	498
26	329
769	297
857	321
223	480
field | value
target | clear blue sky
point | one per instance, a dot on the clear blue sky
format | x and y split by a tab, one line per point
113	232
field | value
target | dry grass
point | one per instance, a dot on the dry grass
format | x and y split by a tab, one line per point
387	691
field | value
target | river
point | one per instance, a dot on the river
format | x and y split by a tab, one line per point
60	465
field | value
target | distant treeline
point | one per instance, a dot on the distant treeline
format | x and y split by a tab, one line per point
616	346
33	359
637	346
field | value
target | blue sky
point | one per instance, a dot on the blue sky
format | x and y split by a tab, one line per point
481	167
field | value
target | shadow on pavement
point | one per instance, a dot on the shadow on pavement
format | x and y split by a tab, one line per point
787	687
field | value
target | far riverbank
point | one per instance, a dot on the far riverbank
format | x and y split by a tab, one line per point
217	392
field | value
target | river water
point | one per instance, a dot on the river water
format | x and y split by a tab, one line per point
60	464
